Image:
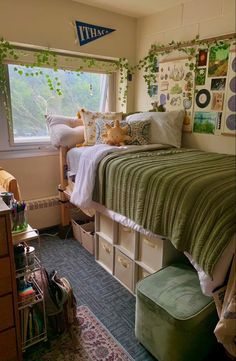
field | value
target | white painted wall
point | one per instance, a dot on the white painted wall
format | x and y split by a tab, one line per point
48	23
207	18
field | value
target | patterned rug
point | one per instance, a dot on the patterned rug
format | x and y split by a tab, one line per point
88	340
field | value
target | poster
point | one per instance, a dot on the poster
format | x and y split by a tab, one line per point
205	87
210	87
176	88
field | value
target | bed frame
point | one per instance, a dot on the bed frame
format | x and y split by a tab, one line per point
64	194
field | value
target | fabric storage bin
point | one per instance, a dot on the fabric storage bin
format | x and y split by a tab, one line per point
151	252
142	273
173	319
106	226
84	233
76	230
126	239
124	269
105	254
87	234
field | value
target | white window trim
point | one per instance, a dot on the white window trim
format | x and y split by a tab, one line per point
10	149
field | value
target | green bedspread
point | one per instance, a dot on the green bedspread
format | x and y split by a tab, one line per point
187	196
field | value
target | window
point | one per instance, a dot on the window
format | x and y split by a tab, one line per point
31	98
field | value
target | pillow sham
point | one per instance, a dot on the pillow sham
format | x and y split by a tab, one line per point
101	128
138	131
65	131
166	127
89	119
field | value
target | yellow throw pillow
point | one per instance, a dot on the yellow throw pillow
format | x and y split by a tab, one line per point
89	119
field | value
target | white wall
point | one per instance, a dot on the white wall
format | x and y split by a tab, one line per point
48	23
207	18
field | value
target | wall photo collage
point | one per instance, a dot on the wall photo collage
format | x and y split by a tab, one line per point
205	88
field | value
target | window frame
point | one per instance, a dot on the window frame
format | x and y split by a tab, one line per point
8	147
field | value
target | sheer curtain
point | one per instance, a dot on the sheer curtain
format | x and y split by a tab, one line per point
104	106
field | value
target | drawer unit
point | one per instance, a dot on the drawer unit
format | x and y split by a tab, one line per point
150	252
6	312
105	254
124	269
8	346
3	236
5	276
126	239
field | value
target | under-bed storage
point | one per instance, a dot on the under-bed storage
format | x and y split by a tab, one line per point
105	254
128	254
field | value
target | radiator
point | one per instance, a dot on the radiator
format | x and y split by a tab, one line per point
44	212
42	203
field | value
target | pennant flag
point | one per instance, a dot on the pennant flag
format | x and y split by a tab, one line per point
87	32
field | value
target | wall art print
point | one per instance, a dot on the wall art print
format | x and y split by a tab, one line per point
206	122
176	88
204	86
218	61
213	98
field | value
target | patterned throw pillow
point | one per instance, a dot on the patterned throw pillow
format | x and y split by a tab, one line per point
139	131
89	120
101	128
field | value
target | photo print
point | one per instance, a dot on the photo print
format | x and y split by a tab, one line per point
217	101
218	84
200	76
218	60
153	90
206	122
202	57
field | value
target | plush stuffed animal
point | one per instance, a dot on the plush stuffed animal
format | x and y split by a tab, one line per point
116	135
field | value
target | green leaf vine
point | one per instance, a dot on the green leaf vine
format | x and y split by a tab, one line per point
148	64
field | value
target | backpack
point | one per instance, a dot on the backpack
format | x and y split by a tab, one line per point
60	302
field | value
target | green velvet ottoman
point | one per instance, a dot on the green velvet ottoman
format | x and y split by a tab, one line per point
174	320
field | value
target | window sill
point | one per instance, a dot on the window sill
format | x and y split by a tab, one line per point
28	153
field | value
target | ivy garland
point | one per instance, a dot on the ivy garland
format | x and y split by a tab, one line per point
149	63
48	58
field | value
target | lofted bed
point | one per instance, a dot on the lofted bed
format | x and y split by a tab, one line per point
154	203
162	191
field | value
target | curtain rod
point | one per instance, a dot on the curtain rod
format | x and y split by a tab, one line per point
72	54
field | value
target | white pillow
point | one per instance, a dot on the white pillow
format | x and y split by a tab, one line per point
166	127
65	131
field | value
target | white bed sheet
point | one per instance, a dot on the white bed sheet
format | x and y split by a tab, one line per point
72	159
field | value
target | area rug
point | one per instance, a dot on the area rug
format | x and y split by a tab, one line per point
88	340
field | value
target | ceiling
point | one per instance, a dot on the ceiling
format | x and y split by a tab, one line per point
134	8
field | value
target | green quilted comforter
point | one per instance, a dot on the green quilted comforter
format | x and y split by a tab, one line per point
187	196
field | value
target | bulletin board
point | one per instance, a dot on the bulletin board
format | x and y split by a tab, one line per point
204	86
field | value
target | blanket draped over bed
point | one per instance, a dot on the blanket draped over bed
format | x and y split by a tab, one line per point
187	196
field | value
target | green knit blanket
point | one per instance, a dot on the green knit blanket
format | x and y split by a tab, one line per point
187	196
